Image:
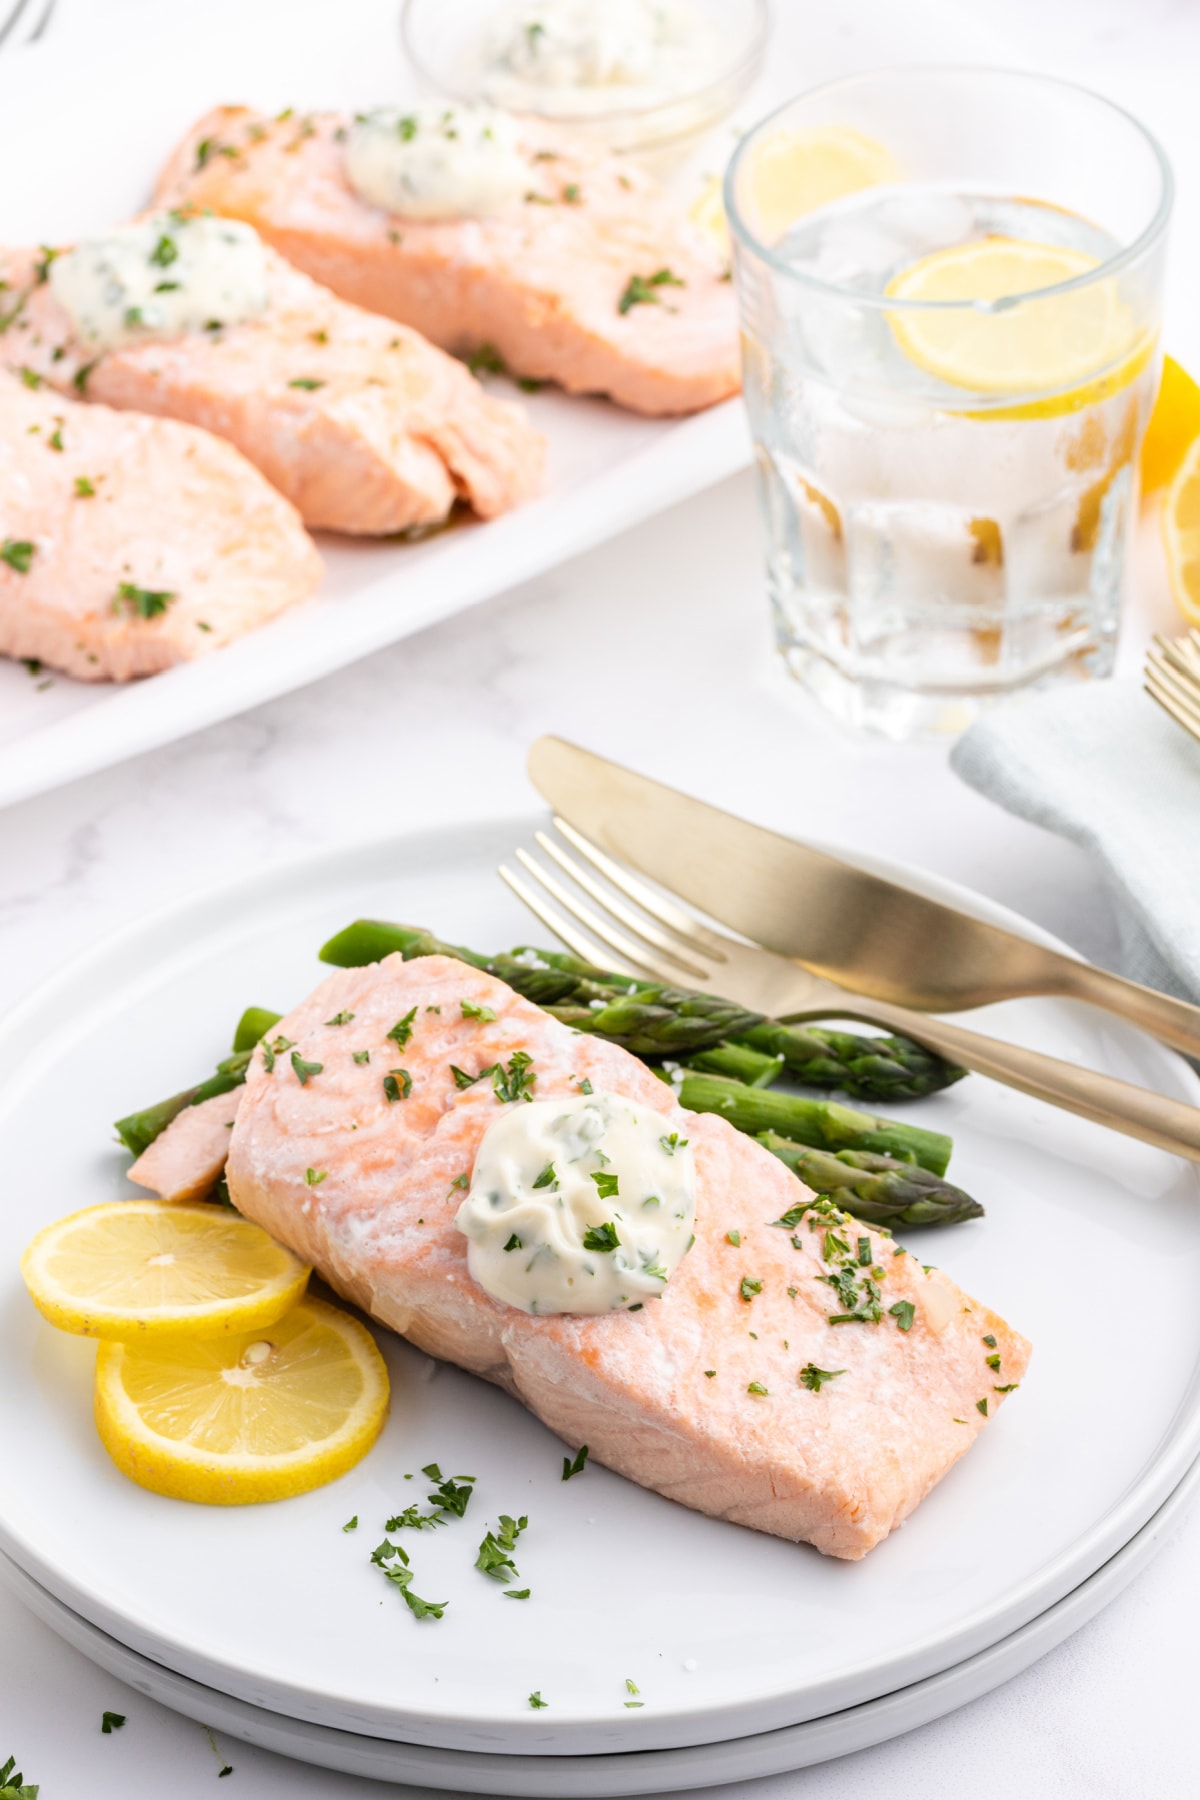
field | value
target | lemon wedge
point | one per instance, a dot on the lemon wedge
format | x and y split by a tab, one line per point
792	173
1174	425
258	1415
144	1269
1181	534
1054	344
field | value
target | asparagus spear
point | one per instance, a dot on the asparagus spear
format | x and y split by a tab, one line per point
139	1129
879	1190
652	1019
824	1124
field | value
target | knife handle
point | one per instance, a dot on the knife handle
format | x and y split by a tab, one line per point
1174	1022
1138	1112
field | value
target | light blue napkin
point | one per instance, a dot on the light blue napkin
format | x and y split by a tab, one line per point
1102	764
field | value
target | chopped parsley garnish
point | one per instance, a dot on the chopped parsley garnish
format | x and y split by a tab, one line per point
165	252
834	1247
314	1177
756	1387
748	1287
275	1048
79	380
31	378
397	1085
484	1014
812	1378
147	603
487	360
673	1143
304	1071
904	1312
516	1081
340	1018
204	149
514	1243
585	1086
993	1362
709	1373
400	1574
110	1722
572	193
864	1253
575	1467
548	1177
461	1181
990	1341
792	1292
351	1524
406	128
308	382
641	290
516	1593
362	1056
981	1406
606	1184
402	1030
1010	1387
536	1701
601	1237
18	553
495	1552
462	1079
84	489
734	1238
453	1493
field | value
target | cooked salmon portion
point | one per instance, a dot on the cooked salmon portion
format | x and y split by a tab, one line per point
129	544
186	1161
362	424
679	1396
551	282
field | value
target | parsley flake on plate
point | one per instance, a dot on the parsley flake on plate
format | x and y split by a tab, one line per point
575	1467
110	1722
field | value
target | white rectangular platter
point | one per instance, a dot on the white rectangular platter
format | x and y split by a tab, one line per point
88	118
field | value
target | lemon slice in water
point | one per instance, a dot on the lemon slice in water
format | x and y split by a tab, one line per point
792	173
1065	345
260	1415
147	1269
1181	534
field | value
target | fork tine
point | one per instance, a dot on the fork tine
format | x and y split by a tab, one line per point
665	911
566	933
637	954
641	927
1181	688
1188	719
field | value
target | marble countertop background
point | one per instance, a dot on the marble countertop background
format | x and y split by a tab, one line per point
653	649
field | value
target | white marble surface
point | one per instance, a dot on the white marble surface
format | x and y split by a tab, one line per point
653	649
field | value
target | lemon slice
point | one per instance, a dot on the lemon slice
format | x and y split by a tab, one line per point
707	213
1181	534
792	173
1174	425
1055	343
147	1269
259	1415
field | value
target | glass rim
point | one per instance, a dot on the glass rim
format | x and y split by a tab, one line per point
1111	265
710	90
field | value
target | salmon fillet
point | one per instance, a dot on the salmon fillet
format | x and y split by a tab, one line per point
362	424
663	1395
541	281
186	1161
131	544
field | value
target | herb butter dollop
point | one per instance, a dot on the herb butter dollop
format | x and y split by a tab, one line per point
579	1205
434	161
572	58
161	277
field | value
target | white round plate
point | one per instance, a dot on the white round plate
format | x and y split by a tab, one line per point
636	1771
1090	1246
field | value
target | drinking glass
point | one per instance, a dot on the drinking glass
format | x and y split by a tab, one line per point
949	283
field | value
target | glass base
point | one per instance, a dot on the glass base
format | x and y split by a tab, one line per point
892	709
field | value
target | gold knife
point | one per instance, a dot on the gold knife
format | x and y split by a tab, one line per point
867	935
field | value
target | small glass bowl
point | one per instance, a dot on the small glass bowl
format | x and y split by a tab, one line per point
443	41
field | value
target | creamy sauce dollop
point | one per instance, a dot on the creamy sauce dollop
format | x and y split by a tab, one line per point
437	161
161	277
580	1205
571	58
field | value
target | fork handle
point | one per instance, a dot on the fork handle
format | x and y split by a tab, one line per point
1138	1112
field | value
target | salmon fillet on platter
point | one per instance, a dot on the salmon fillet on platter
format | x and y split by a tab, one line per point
129	544
360	422
731	1391
588	277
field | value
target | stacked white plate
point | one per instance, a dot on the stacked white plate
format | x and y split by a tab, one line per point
749	1655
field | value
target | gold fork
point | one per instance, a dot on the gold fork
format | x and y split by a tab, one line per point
647	933
1172	677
